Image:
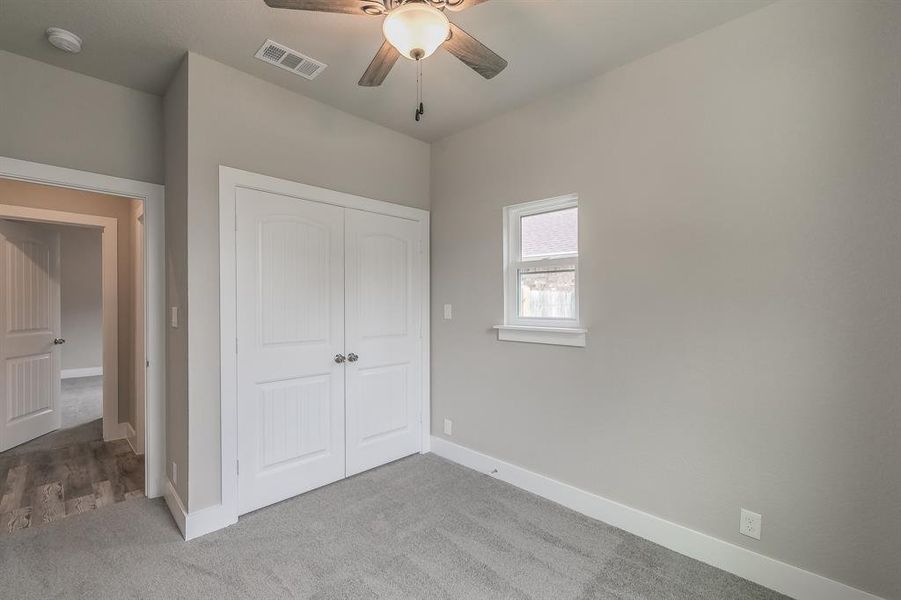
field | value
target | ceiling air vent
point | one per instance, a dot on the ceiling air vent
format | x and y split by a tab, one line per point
290	60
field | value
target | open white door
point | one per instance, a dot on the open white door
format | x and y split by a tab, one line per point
29	330
290	327
384	339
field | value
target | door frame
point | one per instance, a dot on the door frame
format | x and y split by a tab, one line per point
112	428
152	196
230	180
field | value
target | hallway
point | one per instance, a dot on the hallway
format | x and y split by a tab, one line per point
81	400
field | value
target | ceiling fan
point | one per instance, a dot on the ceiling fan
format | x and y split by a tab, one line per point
413	29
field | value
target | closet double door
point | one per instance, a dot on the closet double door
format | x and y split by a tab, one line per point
329	347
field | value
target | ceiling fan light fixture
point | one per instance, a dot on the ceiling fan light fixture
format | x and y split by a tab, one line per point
416	29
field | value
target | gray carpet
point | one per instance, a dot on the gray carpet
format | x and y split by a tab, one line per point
421	528
81	400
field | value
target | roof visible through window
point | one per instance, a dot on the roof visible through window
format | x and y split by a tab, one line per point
550	234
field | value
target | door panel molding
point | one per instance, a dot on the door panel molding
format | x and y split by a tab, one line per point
290	325
230	182
383	319
29	322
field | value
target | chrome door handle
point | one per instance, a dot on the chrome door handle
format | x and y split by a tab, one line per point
339	358
59	341
352	357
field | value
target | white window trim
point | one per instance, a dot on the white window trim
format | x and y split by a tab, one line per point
565	332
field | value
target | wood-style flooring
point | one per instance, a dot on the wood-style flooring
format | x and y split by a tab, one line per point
65	473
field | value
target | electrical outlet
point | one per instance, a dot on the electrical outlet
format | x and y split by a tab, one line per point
173	317
174	473
448	312
750	524
448	427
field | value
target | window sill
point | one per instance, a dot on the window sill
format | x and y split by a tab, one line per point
557	336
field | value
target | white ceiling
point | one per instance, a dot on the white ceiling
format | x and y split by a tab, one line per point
548	43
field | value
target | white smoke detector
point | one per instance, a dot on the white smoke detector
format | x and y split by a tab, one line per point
64	40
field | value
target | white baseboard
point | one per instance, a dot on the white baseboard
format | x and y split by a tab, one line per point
198	523
86	372
123	432
768	572
129	433
179	514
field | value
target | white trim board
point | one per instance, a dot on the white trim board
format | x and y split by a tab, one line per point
768	572
230	180
195	524
556	336
85	372
152	197
179	514
128	433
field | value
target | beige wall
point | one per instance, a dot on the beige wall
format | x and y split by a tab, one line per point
236	120
740	216
739	220
53	116
53	198
175	109
81	298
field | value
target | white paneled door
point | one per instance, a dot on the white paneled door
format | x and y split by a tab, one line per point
290	300
329	347
29	330
383	339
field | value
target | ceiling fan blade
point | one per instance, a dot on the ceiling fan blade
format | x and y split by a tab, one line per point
462	4
474	53
349	7
380	66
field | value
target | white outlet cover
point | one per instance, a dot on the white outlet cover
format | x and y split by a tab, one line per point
448	427
448	312
750	524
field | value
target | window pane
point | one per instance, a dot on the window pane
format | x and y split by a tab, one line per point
547	293
550	234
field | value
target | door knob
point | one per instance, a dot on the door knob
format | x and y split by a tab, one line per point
339	358
59	341
352	357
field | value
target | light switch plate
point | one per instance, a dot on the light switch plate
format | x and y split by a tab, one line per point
173	317
448	312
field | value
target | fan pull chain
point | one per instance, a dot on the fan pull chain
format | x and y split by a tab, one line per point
420	109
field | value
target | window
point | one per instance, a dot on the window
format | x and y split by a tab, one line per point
541	272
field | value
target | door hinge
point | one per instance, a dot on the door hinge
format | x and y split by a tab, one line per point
148	364
236	345
238	467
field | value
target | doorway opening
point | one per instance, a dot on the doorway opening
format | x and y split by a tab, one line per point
72	420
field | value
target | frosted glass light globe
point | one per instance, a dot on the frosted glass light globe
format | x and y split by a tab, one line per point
416	29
